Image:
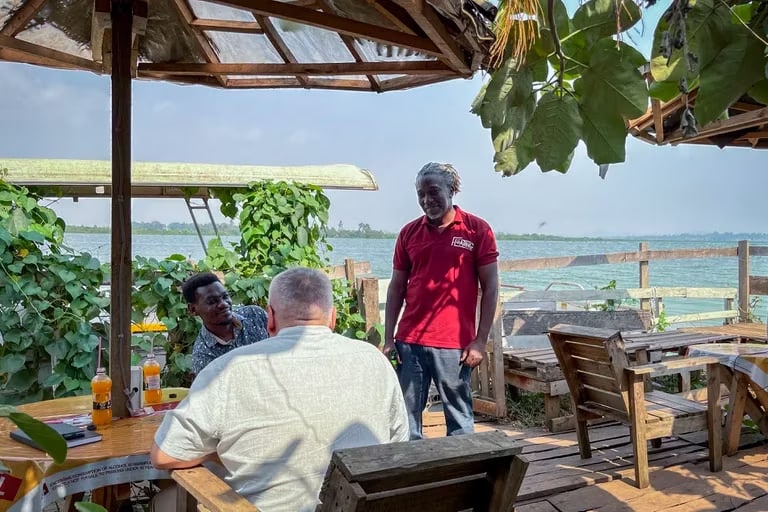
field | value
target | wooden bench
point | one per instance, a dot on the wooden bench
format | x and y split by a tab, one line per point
538	370
481	471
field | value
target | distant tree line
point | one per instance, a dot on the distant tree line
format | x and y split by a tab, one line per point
158	228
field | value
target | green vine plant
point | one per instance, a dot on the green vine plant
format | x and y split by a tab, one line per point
51	304
579	79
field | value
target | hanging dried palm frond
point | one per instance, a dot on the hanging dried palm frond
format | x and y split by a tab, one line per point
515	29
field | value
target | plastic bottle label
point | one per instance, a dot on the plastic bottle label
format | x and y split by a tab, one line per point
152	381
97	406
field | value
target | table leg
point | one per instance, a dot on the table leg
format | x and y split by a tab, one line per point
736	405
551	408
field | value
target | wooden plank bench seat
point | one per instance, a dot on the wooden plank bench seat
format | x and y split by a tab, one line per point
538	371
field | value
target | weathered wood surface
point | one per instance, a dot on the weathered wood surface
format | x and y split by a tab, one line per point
479	470
558	480
198	485
522	323
621	294
745	332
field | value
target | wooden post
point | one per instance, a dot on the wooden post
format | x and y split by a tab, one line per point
743	254
368	301
727	306
349	270
121	277
645	304
498	381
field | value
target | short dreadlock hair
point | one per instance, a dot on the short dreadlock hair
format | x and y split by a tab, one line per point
445	171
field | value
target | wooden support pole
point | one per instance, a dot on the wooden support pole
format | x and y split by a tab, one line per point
743	255
120	292
645	304
368	301
498	381
349	270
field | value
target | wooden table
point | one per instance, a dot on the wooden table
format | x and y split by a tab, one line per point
744	369
538	371
121	456
747	332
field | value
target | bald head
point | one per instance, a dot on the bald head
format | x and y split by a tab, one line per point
300	296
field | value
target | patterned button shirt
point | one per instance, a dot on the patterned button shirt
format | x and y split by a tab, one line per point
250	327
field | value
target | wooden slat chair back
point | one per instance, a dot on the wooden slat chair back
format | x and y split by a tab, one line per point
603	385
468	472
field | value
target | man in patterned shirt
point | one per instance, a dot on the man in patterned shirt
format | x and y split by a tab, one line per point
224	329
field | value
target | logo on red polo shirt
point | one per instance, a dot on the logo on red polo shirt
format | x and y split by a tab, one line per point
463	243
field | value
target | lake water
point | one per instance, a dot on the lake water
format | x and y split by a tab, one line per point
712	272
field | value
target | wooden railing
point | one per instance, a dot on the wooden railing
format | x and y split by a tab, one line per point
372	297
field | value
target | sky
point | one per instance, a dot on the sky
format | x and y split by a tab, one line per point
659	190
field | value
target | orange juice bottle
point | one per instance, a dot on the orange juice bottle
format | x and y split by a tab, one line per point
101	387
151	369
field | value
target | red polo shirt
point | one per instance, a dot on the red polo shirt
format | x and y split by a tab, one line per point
441	296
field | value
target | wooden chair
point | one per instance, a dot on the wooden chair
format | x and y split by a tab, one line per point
602	385
474	471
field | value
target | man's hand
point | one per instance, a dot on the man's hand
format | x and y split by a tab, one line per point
474	353
388	348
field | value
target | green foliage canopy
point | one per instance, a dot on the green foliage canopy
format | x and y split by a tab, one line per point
580	80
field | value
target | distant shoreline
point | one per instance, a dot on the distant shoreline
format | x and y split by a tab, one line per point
155	228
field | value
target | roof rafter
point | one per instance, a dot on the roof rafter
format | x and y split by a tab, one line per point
20	18
335	23
282	49
203	43
429	67
245	27
62	59
425	15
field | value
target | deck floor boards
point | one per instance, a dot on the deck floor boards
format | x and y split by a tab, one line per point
558	480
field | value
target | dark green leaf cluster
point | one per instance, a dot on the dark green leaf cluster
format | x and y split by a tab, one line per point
51	304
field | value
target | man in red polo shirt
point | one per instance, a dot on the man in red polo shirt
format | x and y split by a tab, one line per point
439	260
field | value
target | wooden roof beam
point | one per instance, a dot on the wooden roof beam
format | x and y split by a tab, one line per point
205	45
736	123
396	14
335	23
349	42
63	59
244	27
282	49
432	25
18	22
429	67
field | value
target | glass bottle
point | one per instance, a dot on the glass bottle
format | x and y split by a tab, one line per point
101	387
151	370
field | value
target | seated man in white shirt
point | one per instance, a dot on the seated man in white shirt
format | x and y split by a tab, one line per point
273	412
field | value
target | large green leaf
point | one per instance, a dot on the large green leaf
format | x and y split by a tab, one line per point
613	81
597	19
737	67
42	434
509	86
555	130
759	92
516	157
515	121
11	363
604	134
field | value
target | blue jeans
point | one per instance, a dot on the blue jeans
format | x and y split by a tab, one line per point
422	365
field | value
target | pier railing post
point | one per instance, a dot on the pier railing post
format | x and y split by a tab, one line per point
645	304
743	255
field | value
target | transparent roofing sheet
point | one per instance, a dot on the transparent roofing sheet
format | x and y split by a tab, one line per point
243	48
208	10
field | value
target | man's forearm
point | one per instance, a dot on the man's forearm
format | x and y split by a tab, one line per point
392	312
488	303
162	460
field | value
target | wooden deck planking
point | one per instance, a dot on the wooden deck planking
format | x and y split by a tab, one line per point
558	480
